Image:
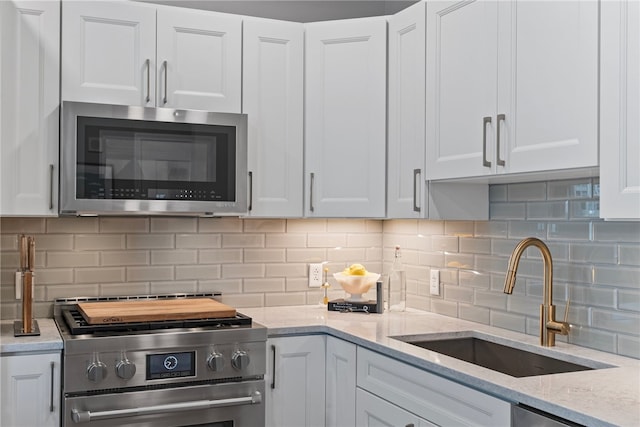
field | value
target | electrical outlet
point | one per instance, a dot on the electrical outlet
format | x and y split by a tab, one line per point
315	275
434	282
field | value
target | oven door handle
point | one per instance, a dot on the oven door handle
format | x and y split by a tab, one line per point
88	416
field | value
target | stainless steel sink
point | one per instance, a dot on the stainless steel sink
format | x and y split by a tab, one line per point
498	357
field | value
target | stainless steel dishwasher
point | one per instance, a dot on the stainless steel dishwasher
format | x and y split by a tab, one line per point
524	416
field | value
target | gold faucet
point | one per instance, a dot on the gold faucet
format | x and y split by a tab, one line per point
549	327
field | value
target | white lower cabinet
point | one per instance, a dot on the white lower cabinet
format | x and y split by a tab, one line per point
372	411
428	396
340	396
295	381
318	380
30	390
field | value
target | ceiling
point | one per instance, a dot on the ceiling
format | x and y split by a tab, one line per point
296	10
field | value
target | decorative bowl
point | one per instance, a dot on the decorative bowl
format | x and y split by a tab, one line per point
355	285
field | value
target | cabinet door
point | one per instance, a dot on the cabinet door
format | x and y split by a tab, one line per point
371	411
108	52
30	390
406	143
620	110
295	381
345	115
341	383
30	69
547	85
199	60
461	88
273	67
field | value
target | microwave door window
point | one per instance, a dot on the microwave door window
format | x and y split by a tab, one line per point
143	160
166	158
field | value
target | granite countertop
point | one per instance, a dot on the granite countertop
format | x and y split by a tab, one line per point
48	340
608	396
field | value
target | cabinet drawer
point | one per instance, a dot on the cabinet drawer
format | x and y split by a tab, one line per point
373	411
429	396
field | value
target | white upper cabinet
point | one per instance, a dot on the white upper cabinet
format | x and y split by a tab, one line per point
199	60
548	85
273	76
620	110
511	87
406	183
29	107
345	116
461	87
109	52
112	54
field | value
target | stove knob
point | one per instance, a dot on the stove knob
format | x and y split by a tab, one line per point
96	371
125	369
215	361
240	359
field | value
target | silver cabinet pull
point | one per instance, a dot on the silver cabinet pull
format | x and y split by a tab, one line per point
485	121
250	191
416	174
88	416
273	371
311	191
148	98
51	170
51	408
166	77
499	118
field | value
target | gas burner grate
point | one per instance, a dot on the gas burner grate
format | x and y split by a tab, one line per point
78	325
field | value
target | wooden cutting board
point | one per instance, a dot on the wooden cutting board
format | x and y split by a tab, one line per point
151	310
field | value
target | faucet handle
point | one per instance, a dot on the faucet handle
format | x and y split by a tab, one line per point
566	310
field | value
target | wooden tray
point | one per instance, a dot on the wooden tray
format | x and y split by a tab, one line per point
152	310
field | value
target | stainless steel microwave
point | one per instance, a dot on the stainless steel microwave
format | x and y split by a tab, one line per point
122	160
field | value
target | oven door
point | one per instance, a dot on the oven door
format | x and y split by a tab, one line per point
220	405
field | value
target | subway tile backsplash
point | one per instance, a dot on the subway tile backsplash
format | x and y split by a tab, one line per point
596	264
263	262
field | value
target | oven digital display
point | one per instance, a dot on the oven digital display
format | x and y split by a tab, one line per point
171	365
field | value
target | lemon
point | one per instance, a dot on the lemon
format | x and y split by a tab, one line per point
355	270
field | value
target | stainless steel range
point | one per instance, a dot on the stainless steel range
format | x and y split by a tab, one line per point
204	372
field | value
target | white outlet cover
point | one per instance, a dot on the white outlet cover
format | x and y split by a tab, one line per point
315	275
434	282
